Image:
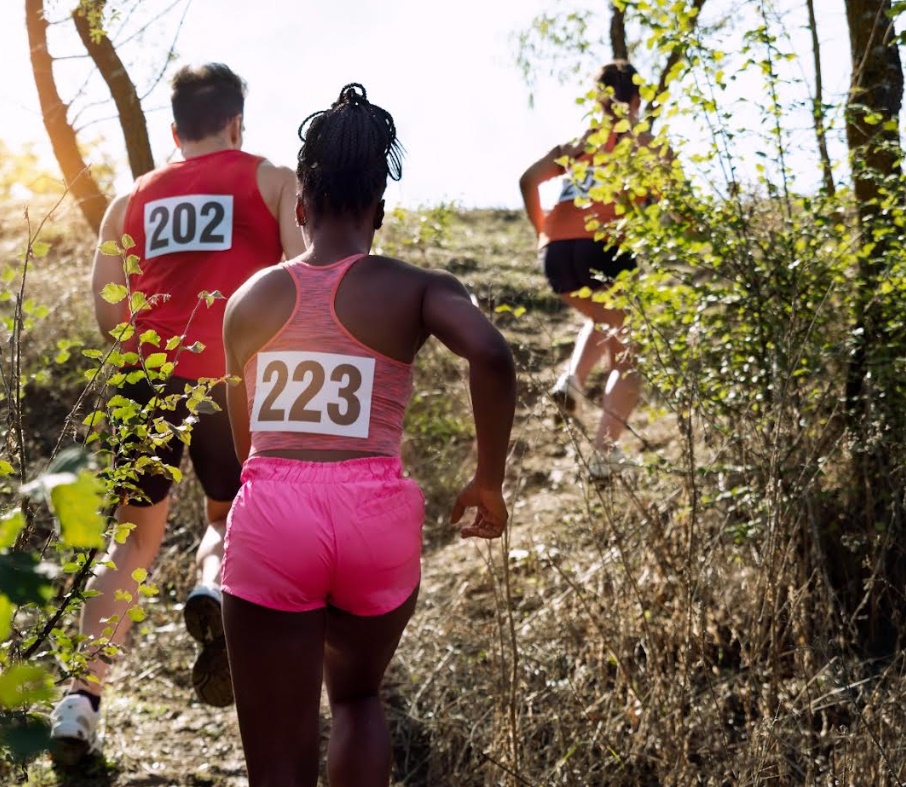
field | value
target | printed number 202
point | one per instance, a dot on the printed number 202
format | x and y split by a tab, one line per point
199	222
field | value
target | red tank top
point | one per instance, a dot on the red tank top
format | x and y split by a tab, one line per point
199	224
314	386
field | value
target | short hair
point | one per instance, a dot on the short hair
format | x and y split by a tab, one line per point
618	75
205	98
347	154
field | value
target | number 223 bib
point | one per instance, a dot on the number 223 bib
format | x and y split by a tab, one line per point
318	393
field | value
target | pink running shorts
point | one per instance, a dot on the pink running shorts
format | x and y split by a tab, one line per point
302	535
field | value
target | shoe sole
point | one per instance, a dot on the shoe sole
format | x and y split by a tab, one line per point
69	752
211	675
566	407
211	671
203	619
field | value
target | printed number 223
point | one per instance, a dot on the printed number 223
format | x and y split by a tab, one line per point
321	393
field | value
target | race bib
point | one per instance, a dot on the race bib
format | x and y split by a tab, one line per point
194	222
573	189
318	393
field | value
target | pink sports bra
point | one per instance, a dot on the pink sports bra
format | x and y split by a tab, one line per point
314	386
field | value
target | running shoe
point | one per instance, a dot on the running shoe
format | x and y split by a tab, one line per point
566	394
211	671
74	730
606	464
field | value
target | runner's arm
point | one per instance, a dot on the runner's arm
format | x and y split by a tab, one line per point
237	403
449	314
109	270
542	170
290	232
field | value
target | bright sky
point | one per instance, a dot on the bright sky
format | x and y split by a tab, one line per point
446	71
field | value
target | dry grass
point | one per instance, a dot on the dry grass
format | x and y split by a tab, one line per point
622	636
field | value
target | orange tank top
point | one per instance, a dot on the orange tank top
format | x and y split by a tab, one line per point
566	220
314	386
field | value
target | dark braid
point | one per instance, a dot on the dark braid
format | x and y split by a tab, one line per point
347	154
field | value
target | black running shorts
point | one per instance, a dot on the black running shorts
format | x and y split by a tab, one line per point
571	265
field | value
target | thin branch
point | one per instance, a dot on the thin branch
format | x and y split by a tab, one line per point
818	104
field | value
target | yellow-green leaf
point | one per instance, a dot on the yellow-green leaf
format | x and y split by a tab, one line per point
109	248
11	525
140	575
155	360
39	248
7	608
24	684
114	293
77	507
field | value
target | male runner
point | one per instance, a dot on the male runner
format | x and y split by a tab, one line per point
205	223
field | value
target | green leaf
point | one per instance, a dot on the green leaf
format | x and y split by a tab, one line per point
6	469
109	248
140	575
210	297
150	337
138	302
24	684
11	525
22	578
127	242
123	332
155	360
131	265
137	614
114	293
77	507
7	609
39	249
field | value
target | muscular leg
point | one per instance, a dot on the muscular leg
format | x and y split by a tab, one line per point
357	654
276	660
209	557
600	337
138	551
621	394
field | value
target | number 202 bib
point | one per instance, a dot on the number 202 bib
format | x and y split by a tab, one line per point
193	222
318	393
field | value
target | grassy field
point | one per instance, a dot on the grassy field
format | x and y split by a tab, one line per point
621	635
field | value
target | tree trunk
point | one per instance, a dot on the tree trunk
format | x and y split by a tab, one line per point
874	393
618	33
76	173
876	93
128	104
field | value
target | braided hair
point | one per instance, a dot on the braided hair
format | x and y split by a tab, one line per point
347	154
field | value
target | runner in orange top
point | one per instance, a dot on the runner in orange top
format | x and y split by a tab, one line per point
204	223
323	544
573	260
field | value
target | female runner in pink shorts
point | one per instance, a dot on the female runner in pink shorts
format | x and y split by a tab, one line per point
323	544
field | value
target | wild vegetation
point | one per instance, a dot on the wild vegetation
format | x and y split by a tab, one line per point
729	615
